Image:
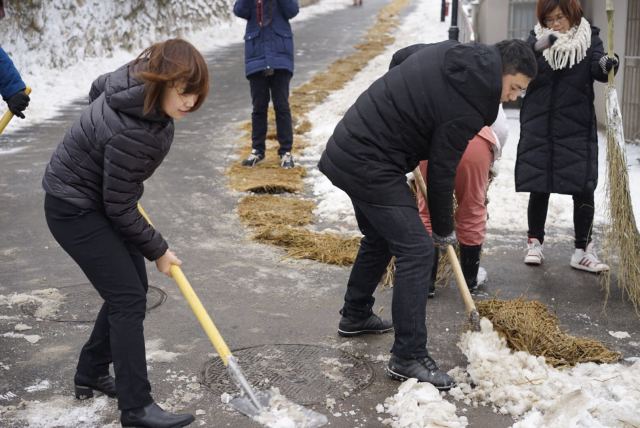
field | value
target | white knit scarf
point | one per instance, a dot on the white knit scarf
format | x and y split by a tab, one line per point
570	48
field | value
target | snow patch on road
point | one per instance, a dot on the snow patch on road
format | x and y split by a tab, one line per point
48	301
157	355
62	412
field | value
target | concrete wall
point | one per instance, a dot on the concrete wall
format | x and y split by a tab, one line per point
493	21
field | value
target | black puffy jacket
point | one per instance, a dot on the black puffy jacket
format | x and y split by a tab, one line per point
428	106
106	155
558	148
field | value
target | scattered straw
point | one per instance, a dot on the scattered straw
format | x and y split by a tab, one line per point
529	326
306	244
263	210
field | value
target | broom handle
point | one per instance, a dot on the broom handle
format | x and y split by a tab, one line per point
196	306
453	258
8	115
610	53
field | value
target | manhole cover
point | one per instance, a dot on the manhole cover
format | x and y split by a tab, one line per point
79	303
306	374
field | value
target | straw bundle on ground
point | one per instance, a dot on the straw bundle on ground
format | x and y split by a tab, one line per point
528	326
264	210
621	234
301	243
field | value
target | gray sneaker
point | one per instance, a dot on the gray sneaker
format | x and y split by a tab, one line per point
253	158
286	161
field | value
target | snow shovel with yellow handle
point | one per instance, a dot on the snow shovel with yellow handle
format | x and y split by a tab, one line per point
8	115
470	307
250	402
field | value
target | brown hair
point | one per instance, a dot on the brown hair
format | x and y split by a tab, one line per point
169	63
571	9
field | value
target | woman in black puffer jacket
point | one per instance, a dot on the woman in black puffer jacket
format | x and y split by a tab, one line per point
558	149
93	183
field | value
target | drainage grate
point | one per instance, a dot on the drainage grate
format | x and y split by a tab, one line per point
81	303
306	374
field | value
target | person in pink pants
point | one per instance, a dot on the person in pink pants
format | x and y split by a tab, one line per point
472	180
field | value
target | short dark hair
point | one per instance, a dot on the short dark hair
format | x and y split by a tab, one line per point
571	9
517	57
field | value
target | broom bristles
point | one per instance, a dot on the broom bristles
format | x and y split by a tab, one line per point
622	239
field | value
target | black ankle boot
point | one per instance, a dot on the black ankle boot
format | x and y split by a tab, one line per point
152	416
434	273
470	263
84	386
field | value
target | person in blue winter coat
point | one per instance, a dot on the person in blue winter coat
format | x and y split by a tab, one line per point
12	88
268	56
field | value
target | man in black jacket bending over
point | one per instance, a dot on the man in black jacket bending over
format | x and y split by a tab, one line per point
427	107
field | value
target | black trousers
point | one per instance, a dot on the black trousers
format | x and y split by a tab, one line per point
276	88
583	212
397	231
116	269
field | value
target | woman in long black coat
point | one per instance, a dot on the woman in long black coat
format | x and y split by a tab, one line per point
558	149
93	183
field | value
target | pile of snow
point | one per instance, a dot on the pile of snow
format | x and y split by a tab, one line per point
525	387
420	405
283	413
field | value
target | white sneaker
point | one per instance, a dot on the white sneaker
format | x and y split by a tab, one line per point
534	252
588	260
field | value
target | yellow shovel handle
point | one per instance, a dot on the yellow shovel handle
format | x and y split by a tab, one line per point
196	306
201	314
8	115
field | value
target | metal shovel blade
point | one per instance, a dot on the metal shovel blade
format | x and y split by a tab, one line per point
244	405
252	402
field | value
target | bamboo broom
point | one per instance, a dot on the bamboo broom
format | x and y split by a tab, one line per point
621	234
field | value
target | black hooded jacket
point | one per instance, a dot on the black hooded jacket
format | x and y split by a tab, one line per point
106	155
558	148
428	106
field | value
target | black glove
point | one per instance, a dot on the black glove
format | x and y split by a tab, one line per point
18	102
545	42
443	242
607	63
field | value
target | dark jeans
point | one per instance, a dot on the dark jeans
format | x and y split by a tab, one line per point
276	88
116	270
582	217
397	231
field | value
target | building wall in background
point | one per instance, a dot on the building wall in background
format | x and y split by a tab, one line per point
501	19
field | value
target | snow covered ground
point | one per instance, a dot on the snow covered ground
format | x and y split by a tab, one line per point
55	88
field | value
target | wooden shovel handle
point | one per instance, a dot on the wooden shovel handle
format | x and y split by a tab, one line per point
451	252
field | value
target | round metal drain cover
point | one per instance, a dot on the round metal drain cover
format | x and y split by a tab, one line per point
81	303
306	374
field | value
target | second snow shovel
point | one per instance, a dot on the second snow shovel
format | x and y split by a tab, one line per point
470	307
250	402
